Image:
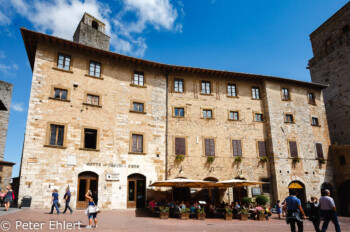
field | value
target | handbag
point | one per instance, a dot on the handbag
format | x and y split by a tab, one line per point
13	195
97	209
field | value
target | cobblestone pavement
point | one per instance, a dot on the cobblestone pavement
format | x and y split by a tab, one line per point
130	220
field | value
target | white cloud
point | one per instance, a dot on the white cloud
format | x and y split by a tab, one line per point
18	106
61	17
4	20
2	54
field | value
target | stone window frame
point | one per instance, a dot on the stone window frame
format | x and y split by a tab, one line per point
285	117
318	121
86	93
186	144
231	146
52	92
260	92
82	139
172	85
55	67
131	110
203	146
88	70
231	83
144	146
289	93
211	88
289	151
257	148
212	113
173	111
262	115
308	100
132	79
239	115
48	134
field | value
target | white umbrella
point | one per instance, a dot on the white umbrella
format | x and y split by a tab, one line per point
182	183
237	183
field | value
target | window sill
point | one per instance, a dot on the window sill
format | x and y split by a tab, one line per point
290	122
98	78
55	146
87	104
88	149
207	118
315	125
62	70
234	120
174	116
312	104
178	92
256	99
58	99
138	86
231	96
137	112
136	153
287	100
206	94
259	121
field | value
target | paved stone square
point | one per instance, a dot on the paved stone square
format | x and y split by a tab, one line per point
130	220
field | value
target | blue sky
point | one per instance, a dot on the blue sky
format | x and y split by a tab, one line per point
268	37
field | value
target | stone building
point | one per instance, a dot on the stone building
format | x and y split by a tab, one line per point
5	105
331	66
115	124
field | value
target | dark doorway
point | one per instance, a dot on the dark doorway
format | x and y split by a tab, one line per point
86	181
211	194
328	186
344	193
136	191
300	189
94	24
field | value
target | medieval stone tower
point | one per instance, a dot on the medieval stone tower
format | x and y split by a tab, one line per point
331	65
91	32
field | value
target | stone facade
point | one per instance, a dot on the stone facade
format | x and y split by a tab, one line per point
5	174
5	105
46	166
330	65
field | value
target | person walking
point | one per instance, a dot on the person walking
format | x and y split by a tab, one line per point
278	208
54	201
329	211
294	209
315	214
91	210
66	197
8	199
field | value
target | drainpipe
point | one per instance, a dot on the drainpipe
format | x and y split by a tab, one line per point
166	122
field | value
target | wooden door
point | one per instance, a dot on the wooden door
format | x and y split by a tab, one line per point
85	184
131	193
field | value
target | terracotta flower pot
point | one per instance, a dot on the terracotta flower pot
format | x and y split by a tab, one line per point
164	215
262	217
228	216
185	216
244	217
201	216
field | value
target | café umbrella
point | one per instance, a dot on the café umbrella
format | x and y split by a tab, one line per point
237	183
183	183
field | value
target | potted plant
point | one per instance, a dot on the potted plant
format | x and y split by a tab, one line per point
296	160
164	212
238	159
264	159
228	214
185	214
246	201
261	200
261	215
210	159
200	214
179	158
243	213
321	160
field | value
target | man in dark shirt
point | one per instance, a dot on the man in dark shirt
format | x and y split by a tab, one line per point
294	209
66	197
315	214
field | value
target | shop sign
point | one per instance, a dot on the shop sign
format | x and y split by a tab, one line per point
256	191
113	176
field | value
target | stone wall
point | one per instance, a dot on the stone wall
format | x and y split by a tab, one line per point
5	175
5	97
330	66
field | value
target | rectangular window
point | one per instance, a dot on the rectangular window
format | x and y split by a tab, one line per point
234	115
93	99
0	168
265	187
179	112
311	99
289	118
285	94
95	69
209	147
63	62
178	85
60	94
138	78
139	107
319	150
314	121
206	89
258	117
293	149
231	90
90	138
262	148
56	135
255	92
180	146
207	114
137	143
237	147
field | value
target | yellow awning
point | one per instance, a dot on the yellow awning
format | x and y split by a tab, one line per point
295	185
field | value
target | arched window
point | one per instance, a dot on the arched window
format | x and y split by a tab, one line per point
345	29
342	160
94	24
